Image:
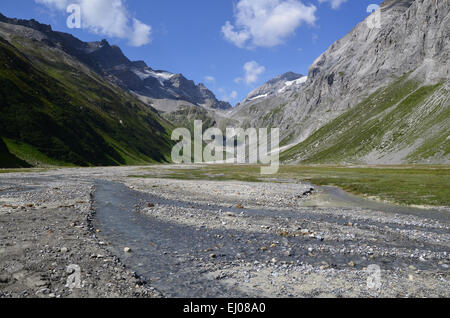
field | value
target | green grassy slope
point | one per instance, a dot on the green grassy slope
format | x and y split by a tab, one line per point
8	160
405	122
54	110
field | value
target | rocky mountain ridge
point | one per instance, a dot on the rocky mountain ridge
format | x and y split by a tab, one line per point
289	81
409	51
110	62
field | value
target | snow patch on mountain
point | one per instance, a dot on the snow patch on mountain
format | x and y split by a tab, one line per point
160	76
259	96
300	81
278	85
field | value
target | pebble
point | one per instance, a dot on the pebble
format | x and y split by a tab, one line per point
43	291
288	253
4	279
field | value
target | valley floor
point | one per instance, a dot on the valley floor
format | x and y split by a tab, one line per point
148	232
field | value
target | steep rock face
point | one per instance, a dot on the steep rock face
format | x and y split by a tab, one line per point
414	37
378	95
365	98
110	62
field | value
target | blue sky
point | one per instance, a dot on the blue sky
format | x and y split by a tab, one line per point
209	41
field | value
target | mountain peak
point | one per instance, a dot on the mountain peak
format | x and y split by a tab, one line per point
288	76
285	82
104	43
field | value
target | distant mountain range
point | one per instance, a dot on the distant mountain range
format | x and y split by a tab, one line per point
110	62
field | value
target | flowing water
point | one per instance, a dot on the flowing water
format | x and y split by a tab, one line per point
172	256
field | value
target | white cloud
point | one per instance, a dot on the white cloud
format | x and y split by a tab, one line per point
210	79
252	72
141	33
266	23
238	38
335	4
59	4
228	97
107	17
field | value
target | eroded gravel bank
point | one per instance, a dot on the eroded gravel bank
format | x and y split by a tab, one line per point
45	226
207	239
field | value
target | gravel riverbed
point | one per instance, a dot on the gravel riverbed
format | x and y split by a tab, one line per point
150	237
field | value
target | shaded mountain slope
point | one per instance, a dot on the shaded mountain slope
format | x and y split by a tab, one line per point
53	106
8	160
